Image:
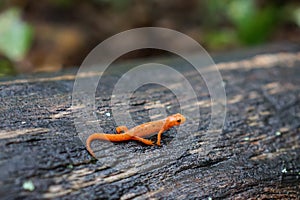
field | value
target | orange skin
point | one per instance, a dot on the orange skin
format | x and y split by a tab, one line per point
139	132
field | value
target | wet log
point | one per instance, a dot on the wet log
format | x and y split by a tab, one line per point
257	155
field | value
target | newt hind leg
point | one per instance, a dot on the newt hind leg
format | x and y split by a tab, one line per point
145	141
121	129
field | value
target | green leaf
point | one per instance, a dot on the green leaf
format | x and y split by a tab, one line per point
15	35
222	39
6	68
241	11
253	25
297	16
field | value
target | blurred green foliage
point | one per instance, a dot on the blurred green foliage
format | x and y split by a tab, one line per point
15	35
219	39
6	68
247	23
221	24
119	5
253	25
15	40
63	3
296	16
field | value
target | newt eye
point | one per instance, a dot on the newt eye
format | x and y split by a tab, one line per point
179	120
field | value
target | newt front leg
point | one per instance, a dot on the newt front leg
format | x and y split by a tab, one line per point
121	129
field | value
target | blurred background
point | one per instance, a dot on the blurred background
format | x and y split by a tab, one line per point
49	35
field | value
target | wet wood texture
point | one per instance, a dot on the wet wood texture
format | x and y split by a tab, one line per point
257	155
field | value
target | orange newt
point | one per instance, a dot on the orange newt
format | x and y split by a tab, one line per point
139	132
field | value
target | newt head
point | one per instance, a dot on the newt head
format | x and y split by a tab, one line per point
175	120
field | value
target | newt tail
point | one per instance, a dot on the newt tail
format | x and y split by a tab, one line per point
107	137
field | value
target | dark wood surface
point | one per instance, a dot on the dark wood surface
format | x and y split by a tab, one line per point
256	156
